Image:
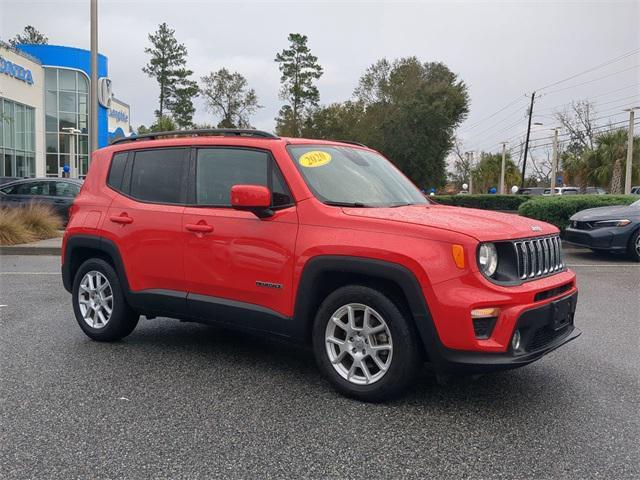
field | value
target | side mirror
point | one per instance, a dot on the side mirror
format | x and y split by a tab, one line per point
252	198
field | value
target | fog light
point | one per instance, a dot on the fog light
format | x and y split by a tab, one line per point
515	340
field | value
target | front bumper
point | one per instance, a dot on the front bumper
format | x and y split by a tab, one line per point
607	238
539	337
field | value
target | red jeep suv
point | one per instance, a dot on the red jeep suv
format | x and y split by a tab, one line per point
325	243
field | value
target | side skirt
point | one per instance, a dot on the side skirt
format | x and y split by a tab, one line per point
212	310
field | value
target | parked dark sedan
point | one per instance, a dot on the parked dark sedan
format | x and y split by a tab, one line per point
56	192
614	229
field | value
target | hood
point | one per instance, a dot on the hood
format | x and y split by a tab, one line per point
606	213
484	225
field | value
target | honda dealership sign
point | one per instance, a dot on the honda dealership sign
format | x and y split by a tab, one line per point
105	92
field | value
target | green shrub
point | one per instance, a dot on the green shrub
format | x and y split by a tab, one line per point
558	209
484	202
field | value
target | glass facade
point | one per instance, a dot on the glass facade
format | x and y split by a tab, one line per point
17	139
66	105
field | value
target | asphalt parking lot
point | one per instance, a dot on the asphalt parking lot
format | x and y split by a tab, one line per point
178	400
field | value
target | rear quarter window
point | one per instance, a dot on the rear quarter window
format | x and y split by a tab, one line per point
116	171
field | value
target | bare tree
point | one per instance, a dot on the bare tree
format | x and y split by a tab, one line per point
578	121
461	165
227	94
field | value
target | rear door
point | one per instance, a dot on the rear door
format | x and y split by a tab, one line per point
145	217
242	258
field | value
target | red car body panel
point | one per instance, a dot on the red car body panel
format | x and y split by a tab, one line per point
161	250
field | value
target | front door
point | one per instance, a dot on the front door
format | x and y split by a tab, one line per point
235	262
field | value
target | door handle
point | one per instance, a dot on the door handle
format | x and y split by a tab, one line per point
199	227
123	219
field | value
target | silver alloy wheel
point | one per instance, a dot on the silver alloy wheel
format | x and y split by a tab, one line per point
95	298
358	343
638	245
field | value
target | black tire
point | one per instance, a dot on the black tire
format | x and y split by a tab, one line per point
123	319
405	359
632	250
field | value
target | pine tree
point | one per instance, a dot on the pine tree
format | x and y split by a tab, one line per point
167	66
299	70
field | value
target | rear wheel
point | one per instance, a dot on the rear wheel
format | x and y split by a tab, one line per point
99	303
634	246
364	344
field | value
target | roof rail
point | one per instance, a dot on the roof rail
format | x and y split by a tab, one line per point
350	142
224	132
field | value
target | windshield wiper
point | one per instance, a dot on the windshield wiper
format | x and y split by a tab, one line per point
347	204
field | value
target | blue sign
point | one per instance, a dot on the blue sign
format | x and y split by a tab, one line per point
15	71
119	115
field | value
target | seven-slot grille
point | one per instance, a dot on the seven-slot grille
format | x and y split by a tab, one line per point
539	257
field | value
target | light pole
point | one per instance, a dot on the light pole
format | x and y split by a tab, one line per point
470	162
93	102
627	173
554	161
504	160
73	138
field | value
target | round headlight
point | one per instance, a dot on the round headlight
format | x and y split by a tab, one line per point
488	258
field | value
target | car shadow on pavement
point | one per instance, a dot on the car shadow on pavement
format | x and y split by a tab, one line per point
167	342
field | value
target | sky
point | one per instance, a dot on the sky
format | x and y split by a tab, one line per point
502	51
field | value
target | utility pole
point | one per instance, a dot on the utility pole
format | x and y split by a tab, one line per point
554	162
627	174
93	101
504	161
526	142
470	162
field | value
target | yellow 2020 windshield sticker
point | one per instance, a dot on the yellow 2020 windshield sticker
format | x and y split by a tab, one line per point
315	158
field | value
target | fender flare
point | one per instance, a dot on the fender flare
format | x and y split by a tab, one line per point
92	242
389	271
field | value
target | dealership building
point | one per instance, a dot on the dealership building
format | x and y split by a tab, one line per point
44	108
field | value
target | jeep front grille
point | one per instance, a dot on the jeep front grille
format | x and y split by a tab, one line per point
539	257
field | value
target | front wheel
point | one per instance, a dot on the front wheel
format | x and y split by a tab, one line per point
364	344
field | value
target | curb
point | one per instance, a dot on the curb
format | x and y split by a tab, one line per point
29	250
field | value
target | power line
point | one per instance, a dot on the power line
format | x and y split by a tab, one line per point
608	62
597	131
493	114
591	81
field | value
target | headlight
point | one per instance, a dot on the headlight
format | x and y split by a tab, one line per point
488	259
612	223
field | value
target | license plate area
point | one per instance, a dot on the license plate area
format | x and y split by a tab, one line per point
562	312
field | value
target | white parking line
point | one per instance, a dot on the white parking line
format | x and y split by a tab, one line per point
29	273
603	264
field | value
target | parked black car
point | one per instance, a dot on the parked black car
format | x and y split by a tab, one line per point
56	192
614	229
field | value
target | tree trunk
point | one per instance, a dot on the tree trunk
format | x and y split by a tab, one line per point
616	178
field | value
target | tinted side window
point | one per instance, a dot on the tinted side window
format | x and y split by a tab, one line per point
279	192
157	175
116	172
32	188
66	189
218	169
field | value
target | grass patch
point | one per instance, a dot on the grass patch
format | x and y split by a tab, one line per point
12	229
41	220
28	223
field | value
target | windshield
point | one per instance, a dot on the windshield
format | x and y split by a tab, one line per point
348	176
